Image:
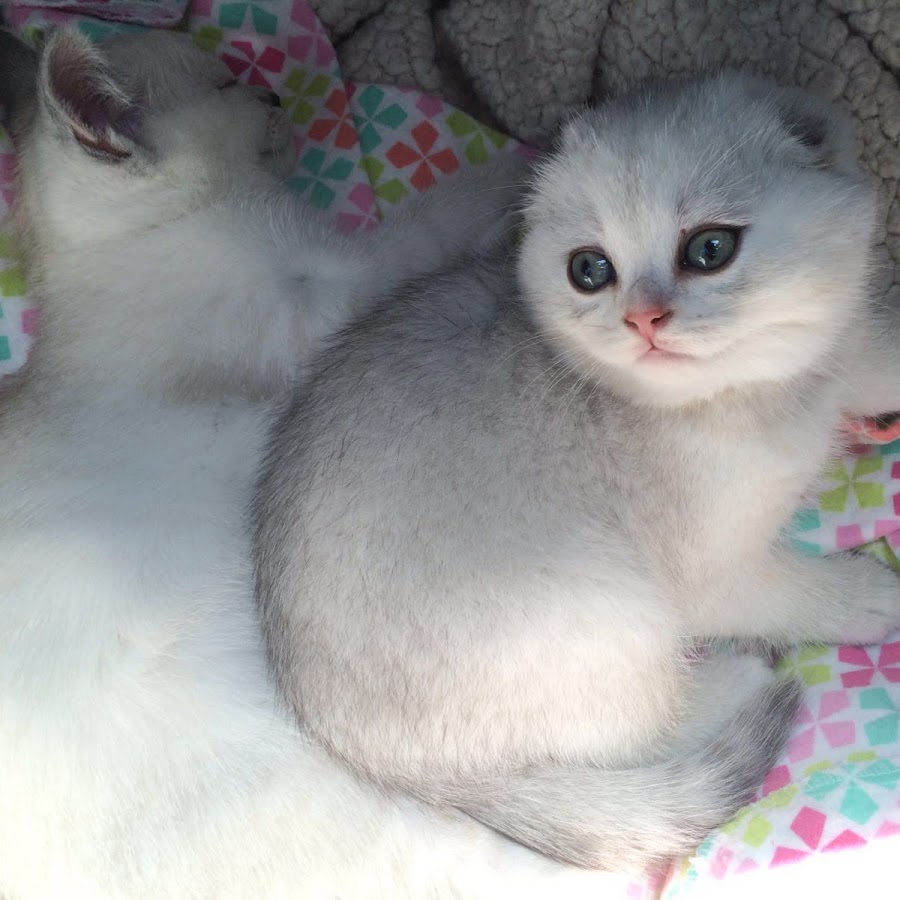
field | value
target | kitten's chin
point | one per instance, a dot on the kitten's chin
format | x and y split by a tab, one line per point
666	379
659	356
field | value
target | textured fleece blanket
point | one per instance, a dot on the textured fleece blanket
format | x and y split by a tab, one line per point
522	64
363	147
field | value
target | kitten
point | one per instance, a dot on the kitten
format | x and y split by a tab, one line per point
517	498
143	749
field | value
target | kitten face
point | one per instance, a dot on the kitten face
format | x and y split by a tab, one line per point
697	238
136	128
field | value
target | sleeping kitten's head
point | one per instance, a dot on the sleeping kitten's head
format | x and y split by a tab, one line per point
701	236
130	132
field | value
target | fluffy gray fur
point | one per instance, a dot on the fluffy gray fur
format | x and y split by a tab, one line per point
493	532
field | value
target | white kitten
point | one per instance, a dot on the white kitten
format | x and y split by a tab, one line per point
512	503
142	747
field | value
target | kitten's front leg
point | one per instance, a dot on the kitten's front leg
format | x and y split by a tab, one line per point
787	599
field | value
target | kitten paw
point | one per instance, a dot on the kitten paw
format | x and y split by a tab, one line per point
873	609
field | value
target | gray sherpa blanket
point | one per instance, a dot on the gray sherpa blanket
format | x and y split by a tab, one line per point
522	64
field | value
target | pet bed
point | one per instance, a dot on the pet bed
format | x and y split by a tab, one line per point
827	818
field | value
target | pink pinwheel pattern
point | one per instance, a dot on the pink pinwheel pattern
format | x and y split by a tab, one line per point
830	723
363	198
312	40
258	68
864	670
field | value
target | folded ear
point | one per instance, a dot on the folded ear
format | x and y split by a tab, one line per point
18	76
85	98
822	135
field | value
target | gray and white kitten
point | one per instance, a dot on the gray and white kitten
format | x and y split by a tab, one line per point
144	752
517	498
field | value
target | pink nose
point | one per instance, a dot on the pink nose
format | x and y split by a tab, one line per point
646	322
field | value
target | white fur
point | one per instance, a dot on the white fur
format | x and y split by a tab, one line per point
143	750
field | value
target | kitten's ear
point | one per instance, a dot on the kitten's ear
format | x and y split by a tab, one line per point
83	96
18	77
820	135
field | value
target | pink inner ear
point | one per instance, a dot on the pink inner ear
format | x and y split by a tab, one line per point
93	142
85	91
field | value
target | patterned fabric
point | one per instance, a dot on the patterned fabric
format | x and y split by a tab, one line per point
361	150
836	787
148	12
856	502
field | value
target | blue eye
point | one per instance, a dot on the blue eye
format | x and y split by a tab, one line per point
590	270
710	249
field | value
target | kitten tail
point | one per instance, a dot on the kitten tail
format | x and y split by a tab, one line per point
638	819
